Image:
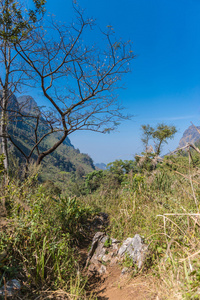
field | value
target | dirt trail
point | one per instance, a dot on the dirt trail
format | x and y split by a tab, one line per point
115	286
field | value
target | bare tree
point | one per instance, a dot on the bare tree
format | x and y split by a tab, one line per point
78	79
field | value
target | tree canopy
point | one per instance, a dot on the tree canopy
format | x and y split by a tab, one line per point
159	135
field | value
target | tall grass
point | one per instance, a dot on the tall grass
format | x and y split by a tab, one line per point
45	231
163	207
42	239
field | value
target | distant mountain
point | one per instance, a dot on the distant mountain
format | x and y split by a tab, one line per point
100	166
190	135
28	104
57	166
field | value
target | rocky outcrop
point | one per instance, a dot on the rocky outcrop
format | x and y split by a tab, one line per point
106	251
135	249
190	135
28	105
100	166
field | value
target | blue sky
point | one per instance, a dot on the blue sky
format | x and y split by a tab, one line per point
164	85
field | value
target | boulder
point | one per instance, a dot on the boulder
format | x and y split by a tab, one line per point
135	249
10	288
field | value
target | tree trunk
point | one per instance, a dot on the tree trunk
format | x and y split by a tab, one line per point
52	149
159	147
4	141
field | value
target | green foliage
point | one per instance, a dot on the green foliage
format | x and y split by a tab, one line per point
163	180
175	163
119	168
158	205
127	261
147	134
49	188
2	157
145	162
16	22
94	180
108	242
113	177
63	167
160	134
149	159
142	202
42	237
193	280
73	215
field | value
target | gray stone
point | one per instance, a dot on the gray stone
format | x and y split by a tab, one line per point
102	269
100	253
124	246
114	260
115	245
115	241
95	243
107	257
124	271
11	288
135	248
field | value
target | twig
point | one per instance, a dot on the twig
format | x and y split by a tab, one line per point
190	256
180	214
195	199
164	216
191	215
5	288
186	177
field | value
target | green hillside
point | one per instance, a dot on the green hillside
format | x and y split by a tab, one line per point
63	164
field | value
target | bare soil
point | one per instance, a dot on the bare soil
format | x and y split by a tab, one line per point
114	286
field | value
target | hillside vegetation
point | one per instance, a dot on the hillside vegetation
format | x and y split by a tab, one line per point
44	232
65	164
53	200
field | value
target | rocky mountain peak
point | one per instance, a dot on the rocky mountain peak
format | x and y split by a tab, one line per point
190	135
28	104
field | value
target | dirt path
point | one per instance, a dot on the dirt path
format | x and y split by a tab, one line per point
115	286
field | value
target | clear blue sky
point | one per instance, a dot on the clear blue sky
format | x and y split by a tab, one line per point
164	85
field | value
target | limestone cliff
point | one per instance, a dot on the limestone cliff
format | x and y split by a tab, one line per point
190	135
